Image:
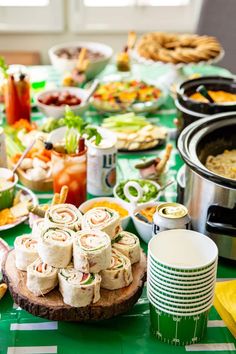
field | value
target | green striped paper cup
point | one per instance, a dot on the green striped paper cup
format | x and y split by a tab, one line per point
178	330
182	251
180	297
180	274
191	285
179	309
189	304
182	280
180	291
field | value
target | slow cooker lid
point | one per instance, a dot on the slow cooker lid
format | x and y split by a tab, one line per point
208	136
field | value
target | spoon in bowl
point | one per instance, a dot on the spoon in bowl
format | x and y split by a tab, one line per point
203	91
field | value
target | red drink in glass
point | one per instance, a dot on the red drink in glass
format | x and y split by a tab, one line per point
70	170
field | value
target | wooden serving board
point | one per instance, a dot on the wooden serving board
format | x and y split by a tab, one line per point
52	307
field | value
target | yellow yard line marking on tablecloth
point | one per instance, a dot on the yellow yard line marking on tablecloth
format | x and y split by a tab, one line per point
32	350
42	326
210	347
216	323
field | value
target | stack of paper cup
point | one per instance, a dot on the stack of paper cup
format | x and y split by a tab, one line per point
181	279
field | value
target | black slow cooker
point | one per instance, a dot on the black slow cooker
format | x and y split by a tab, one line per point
189	110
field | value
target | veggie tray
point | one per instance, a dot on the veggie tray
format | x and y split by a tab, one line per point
135	133
51	305
127	96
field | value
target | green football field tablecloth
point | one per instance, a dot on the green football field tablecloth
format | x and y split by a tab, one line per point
22	333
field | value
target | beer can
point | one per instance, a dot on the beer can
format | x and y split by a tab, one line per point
3	152
101	167
170	216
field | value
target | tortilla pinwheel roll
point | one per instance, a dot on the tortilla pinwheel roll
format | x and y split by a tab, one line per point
37	227
128	244
104	219
55	246
78	289
25	251
91	251
64	215
119	274
41	277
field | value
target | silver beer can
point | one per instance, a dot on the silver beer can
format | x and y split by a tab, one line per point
101	168
170	216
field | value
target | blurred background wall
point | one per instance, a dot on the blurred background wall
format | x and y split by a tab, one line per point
37	25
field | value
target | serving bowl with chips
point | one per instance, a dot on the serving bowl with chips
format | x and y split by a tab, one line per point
142	218
18	212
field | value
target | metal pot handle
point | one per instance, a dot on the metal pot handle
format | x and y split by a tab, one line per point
221	220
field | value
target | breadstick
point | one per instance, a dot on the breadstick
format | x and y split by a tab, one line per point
81	58
56	199
63	194
161	165
3	289
131	39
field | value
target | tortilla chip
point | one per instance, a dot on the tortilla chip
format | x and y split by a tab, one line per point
20	209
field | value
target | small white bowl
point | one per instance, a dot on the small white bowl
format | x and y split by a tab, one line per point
134	200
94	67
86	206
144	229
59	111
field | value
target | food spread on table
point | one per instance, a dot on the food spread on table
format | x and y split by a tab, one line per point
135	133
217	96
121	95
123	58
111	205
146	214
150	190
60	99
178	48
82	261
223	164
102	253
14	200
73	53
128	244
154	168
34	170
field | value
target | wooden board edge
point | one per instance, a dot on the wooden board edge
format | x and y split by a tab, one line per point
73	314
